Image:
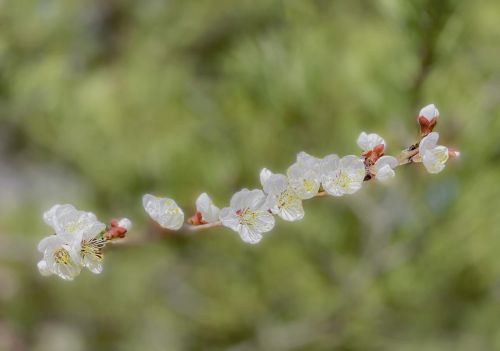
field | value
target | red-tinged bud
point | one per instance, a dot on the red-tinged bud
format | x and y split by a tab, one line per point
115	230
196	219
426	126
373	155
427	118
379	150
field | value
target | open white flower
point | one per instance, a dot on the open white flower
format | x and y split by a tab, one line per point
247	215
384	168
79	230
433	156
59	257
429	112
368	142
281	198
205	206
305	175
69	222
344	176
164	211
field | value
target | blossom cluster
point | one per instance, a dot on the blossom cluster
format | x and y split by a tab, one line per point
77	242
79	237
251	213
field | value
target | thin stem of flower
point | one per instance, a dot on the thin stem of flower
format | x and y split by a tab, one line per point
407	155
194	228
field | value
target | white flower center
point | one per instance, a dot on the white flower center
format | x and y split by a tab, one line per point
342	180
247	217
172	211
71	227
441	157
286	198
308	185
61	256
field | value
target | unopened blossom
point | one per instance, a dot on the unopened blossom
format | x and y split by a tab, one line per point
125	223
433	156
164	211
208	211
304	175
344	176
118	228
248	216
59	257
368	142
429	112
281	198
384	168
427	118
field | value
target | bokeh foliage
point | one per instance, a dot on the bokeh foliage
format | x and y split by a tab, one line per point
101	101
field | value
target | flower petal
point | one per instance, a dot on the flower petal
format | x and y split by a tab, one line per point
429	142
205	206
435	160
265	174
384	168
273	183
43	268
368	142
429	112
307	160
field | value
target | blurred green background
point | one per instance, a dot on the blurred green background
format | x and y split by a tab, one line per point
102	101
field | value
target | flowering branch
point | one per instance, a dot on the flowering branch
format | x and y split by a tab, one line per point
251	212
80	238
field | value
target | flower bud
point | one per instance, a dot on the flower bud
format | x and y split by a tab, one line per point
427	118
125	223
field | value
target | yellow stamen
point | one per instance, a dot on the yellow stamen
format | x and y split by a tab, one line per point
92	248
61	256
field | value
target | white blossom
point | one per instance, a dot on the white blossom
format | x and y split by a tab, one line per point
164	211
429	112
344	176
433	156
281	198
368	142
59	257
384	168
69	222
305	175
205	206
81	232
247	215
